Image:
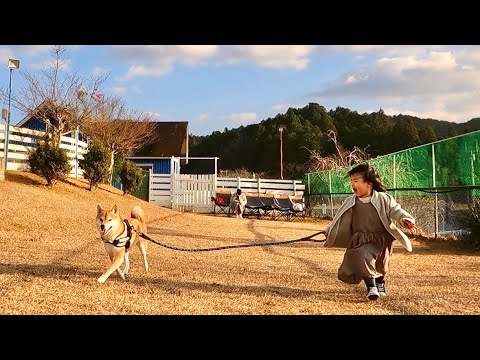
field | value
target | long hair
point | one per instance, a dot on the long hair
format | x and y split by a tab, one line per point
369	174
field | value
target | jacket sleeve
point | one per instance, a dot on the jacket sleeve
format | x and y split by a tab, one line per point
396	213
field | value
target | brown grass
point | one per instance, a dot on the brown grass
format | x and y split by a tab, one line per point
51	256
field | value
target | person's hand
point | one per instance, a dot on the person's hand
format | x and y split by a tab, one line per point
410	225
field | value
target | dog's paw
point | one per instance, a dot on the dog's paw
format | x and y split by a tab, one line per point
102	279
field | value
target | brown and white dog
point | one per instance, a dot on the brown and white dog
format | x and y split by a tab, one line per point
118	239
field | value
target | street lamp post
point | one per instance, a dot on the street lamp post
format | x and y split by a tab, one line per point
12	64
280	129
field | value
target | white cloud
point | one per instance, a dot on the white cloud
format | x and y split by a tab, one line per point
65	65
6	53
439	112
204	116
140	70
271	56
158	60
284	107
443	84
99	71
351	48
31	50
381	50
433	61
119	90
155	115
245	117
136	90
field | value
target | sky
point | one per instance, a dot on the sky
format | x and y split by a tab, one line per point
214	87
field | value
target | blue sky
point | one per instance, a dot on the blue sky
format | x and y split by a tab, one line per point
218	86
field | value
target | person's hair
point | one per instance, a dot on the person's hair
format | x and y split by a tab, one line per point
369	174
239	191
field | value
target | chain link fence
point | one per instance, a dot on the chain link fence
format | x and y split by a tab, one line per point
436	183
437	212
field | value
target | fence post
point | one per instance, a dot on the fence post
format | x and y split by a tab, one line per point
149	185
258	186
2	172
294	188
434	180
238	183
76	153
172	191
330	189
394	176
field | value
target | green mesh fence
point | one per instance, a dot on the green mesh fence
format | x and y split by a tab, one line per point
434	182
442	213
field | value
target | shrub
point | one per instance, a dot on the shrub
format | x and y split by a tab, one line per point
117	167
49	161
131	176
472	240
95	164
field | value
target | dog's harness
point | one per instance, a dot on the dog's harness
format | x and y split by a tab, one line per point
124	238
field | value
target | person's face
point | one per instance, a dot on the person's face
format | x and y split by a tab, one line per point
360	187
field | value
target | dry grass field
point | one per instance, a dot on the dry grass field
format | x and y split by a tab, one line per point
51	256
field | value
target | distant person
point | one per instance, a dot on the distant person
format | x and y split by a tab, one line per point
238	202
364	225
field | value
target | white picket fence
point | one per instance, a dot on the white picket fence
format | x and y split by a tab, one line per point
23	139
189	192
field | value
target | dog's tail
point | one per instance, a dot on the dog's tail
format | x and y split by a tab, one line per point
138	213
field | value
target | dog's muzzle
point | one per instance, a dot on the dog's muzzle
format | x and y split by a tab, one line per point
104	230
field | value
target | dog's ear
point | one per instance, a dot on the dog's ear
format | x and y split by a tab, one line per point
115	209
99	209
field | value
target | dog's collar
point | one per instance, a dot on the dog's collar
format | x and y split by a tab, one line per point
124	238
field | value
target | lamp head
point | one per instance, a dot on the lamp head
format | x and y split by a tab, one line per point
13	64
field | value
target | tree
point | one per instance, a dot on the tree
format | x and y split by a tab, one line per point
343	158
427	135
120	129
49	161
131	176
95	164
62	100
404	135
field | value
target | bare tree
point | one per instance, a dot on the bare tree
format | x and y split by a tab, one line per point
343	158
241	173
120	129
56	93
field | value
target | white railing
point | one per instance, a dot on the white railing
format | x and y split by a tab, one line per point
188	192
21	140
265	186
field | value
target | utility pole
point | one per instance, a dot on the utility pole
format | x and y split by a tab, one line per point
280	129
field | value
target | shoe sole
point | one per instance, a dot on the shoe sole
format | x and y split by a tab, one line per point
372	297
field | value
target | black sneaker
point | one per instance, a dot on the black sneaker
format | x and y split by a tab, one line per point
381	289
372	293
